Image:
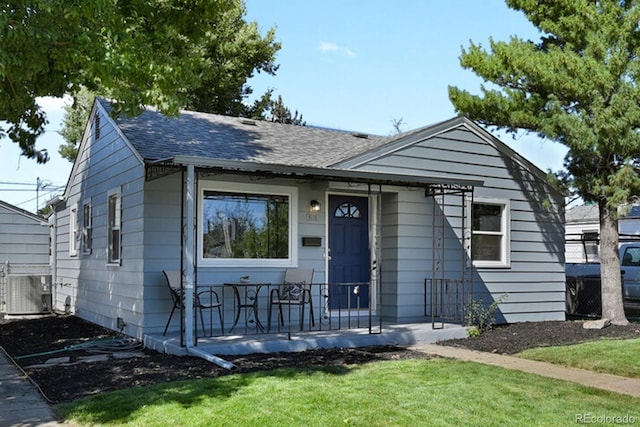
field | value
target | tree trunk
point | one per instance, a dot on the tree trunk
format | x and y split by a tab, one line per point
610	278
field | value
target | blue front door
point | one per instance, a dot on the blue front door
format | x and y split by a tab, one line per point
349	251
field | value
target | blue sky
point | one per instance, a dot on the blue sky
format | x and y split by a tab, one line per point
353	65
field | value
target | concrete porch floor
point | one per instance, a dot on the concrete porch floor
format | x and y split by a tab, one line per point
391	334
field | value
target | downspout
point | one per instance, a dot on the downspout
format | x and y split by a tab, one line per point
189	266
53	258
211	358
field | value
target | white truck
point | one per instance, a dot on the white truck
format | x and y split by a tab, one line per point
583	281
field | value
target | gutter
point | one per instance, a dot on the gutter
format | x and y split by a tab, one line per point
344	175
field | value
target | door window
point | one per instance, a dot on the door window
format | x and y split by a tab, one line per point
347	210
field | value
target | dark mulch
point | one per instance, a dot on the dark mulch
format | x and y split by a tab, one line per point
516	337
66	336
59	383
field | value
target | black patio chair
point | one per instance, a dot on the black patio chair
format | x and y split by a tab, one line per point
294	291
177	295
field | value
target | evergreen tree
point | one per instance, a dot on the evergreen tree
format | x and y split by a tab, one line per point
578	85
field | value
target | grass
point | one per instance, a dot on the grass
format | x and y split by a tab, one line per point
437	392
618	357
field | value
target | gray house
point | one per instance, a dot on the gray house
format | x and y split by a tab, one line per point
24	260
409	225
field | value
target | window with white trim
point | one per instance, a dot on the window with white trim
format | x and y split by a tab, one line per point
248	225
490	246
74	237
87	222
114	236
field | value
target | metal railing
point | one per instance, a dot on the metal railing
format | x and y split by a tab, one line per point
445	301
264	308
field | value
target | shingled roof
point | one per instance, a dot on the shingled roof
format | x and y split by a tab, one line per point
214	136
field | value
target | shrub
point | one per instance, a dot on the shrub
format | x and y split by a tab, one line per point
480	315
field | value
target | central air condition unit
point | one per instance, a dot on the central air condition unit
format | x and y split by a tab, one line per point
28	294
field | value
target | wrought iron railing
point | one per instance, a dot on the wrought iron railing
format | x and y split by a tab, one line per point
263	308
445	300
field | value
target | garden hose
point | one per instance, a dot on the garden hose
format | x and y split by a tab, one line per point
102	345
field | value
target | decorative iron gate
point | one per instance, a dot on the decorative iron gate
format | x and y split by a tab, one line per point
445	301
450	285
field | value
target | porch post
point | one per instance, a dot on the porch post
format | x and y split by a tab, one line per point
189	256
375	236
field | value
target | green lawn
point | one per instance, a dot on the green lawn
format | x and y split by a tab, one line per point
436	392
618	357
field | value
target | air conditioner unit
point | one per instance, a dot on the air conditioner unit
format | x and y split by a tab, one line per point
28	294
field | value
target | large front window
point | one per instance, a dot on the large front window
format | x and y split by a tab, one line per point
238	225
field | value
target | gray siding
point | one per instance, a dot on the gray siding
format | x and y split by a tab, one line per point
97	291
24	237
534	280
162	245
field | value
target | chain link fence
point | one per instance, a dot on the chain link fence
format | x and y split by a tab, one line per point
583	294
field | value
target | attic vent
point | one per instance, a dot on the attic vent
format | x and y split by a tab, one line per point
96	126
248	122
360	135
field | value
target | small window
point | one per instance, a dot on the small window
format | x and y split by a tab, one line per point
86	229
73	231
490	234
114	225
590	245
96	127
347	210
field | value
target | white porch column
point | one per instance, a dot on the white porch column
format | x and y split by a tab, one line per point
375	235
189	249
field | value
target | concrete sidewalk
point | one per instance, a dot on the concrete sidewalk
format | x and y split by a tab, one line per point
21	405
614	383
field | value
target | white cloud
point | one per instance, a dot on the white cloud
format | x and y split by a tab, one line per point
327	47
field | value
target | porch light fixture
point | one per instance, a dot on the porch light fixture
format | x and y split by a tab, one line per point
314	206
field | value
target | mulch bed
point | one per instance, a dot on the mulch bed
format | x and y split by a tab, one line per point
65	338
516	337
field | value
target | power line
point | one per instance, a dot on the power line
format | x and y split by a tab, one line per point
33	199
49	187
48	183
15	183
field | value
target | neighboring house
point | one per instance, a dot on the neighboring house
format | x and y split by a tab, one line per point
24	250
582	231
444	202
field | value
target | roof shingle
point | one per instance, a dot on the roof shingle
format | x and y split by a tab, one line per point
156	137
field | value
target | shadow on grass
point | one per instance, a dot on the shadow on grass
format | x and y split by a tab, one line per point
120	406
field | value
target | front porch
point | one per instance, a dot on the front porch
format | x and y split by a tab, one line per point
390	334
263	308
246	326
223	273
